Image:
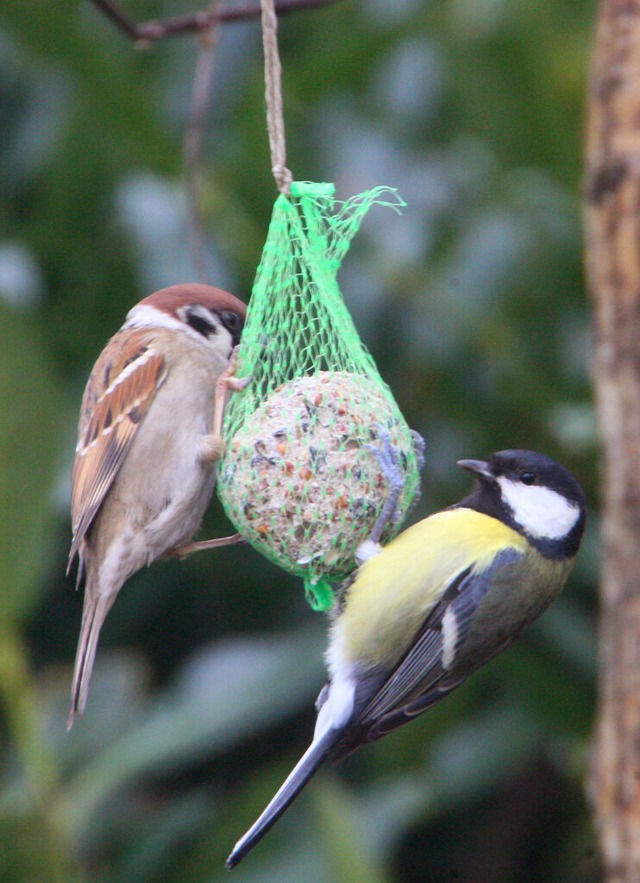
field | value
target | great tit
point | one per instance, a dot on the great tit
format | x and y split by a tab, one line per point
436	604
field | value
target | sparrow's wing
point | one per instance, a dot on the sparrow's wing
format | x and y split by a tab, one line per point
427	672
119	393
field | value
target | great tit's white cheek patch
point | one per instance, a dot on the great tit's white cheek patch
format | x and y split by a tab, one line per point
541	512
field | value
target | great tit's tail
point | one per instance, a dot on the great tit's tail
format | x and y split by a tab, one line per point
308	764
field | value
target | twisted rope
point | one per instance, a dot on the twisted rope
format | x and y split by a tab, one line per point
273	97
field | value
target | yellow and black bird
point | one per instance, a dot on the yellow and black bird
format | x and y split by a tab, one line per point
436	604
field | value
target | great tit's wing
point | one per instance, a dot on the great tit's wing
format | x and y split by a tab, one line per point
428	670
120	391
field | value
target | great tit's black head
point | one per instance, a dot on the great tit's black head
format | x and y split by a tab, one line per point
533	494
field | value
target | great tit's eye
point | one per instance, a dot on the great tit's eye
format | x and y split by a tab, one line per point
528	477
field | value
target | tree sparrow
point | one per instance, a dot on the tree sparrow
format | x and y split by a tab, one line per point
148	438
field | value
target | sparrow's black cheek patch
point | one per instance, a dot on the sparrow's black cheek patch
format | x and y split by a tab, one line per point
200	324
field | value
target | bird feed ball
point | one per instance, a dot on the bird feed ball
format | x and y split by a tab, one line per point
301	480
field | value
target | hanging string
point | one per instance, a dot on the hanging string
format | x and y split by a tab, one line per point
273	96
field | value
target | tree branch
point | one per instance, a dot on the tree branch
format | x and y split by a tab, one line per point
195	22
613	269
203	23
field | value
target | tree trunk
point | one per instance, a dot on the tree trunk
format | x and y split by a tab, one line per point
613	270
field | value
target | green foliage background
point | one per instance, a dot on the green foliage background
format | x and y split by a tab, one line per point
473	305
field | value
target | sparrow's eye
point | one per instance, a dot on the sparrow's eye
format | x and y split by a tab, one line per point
528	477
231	321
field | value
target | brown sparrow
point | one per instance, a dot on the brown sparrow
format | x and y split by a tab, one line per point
148	438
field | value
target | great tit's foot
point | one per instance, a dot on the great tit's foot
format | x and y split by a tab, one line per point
418	448
387	456
367	549
189	548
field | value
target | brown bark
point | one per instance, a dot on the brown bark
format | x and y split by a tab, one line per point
613	269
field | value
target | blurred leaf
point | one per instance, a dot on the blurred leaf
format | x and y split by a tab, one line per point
348	857
571	633
472	303
458	767
160	834
482	750
24	856
118	702
291	852
234	690
118	101
27	453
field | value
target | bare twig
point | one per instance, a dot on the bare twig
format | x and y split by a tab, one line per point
192	150
204	23
150	31
119	18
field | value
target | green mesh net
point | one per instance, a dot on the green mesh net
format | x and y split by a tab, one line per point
300	479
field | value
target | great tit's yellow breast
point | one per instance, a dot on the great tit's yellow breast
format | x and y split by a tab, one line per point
394	591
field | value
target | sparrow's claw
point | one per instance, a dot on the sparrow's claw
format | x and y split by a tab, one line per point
235	384
188	549
228	380
212	446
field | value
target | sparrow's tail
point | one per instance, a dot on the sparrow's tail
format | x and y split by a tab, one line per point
95	609
293	785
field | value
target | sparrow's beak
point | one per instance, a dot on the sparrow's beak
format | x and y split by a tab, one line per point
478	467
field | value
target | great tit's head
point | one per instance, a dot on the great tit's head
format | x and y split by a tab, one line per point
533	494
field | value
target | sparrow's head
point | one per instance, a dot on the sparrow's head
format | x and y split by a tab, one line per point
200	310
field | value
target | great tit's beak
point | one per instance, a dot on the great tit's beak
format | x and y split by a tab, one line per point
478	467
